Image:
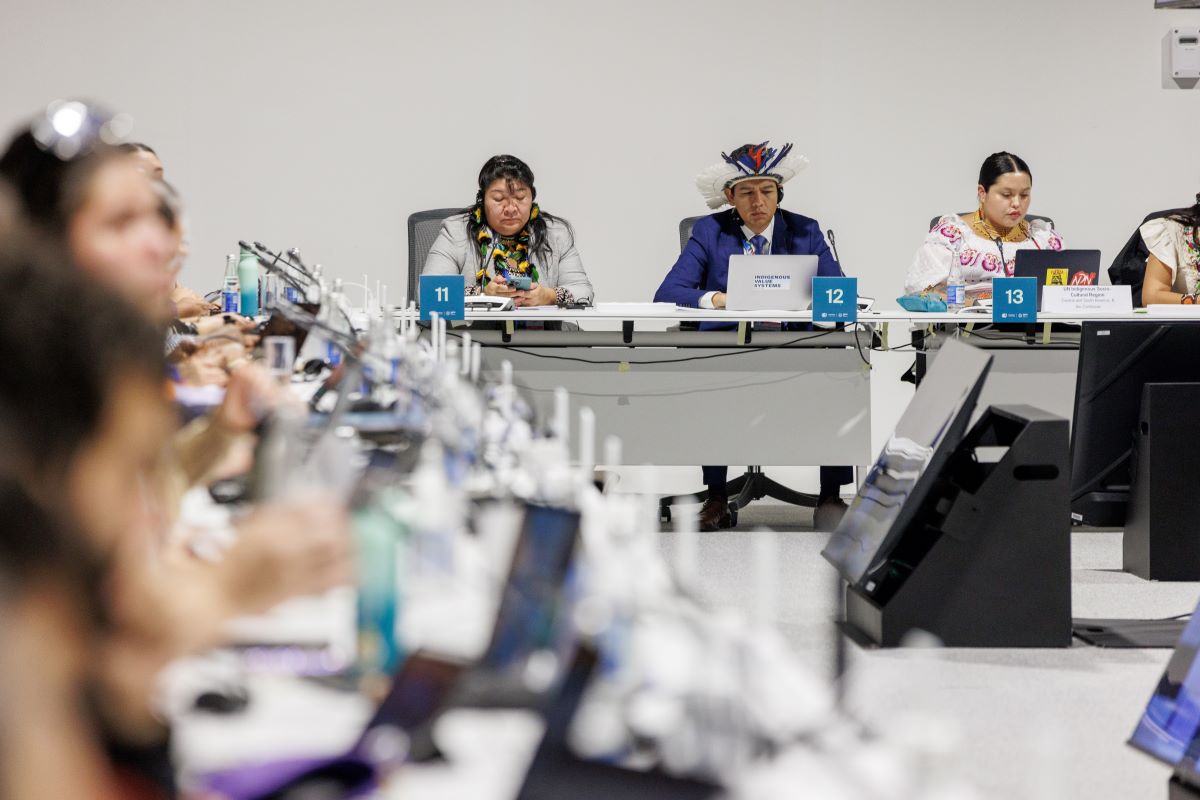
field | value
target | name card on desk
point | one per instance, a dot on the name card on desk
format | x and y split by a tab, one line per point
1087	299
445	294
1014	300
835	299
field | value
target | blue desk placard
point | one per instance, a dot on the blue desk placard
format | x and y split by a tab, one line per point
445	294
1014	300
835	299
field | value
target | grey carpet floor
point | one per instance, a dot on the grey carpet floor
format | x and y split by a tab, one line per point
1045	723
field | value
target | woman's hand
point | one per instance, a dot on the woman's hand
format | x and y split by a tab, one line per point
287	550
498	287
233	324
190	304
536	295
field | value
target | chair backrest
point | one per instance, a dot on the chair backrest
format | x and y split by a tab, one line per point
423	228
685	230
964	214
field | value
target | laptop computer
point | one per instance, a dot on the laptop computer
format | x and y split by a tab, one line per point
1058	268
770	283
532	624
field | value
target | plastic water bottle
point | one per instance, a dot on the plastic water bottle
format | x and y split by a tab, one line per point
338	317
231	300
248	279
380	536
956	292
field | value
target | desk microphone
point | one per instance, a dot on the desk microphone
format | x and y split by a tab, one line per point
294	255
273	268
278	257
833	247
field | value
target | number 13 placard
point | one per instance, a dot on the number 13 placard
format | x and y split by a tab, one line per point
1014	300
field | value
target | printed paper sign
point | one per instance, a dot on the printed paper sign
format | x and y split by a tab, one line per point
1087	300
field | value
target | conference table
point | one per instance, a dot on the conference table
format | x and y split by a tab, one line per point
752	396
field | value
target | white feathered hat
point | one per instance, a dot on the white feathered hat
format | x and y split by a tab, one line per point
748	162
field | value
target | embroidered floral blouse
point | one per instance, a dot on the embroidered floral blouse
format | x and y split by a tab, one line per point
1174	244
979	257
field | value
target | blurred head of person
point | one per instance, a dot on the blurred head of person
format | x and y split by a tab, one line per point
84	417
144	157
84	195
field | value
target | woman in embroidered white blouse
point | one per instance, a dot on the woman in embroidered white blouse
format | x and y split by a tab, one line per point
985	241
1171	268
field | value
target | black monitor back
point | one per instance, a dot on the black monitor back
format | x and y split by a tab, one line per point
1116	359
927	433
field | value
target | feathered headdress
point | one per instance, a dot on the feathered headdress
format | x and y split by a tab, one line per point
747	162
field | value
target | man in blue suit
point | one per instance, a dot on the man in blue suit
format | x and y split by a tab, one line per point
750	179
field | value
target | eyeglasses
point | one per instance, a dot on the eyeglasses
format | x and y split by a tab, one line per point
71	128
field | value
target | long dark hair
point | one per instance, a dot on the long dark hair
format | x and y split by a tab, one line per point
1001	163
1190	218
511	169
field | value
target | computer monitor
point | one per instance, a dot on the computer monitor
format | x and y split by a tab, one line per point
1169	726
1116	359
532	617
930	428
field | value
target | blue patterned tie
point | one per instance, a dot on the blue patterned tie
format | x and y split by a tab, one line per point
759	243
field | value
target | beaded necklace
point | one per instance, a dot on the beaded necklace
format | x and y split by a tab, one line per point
507	255
985	229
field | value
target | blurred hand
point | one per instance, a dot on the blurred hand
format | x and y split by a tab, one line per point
718	300
536	295
249	394
499	287
203	368
224	324
193	306
286	551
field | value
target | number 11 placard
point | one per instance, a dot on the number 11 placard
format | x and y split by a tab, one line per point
1014	300
444	294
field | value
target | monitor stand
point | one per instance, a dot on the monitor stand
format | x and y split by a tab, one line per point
986	561
1160	542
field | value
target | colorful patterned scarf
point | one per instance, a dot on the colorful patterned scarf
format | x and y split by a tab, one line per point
508	256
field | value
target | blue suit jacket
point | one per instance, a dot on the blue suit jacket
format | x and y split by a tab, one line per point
704	264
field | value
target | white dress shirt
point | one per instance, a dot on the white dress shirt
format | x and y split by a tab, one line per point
706	299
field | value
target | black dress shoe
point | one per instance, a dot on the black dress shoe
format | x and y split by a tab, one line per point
828	513
714	514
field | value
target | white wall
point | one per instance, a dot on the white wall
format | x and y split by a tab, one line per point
324	125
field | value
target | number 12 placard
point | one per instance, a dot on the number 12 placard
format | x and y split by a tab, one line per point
835	299
1014	300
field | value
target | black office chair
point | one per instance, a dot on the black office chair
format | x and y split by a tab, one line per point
751	485
423	228
964	214
685	230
